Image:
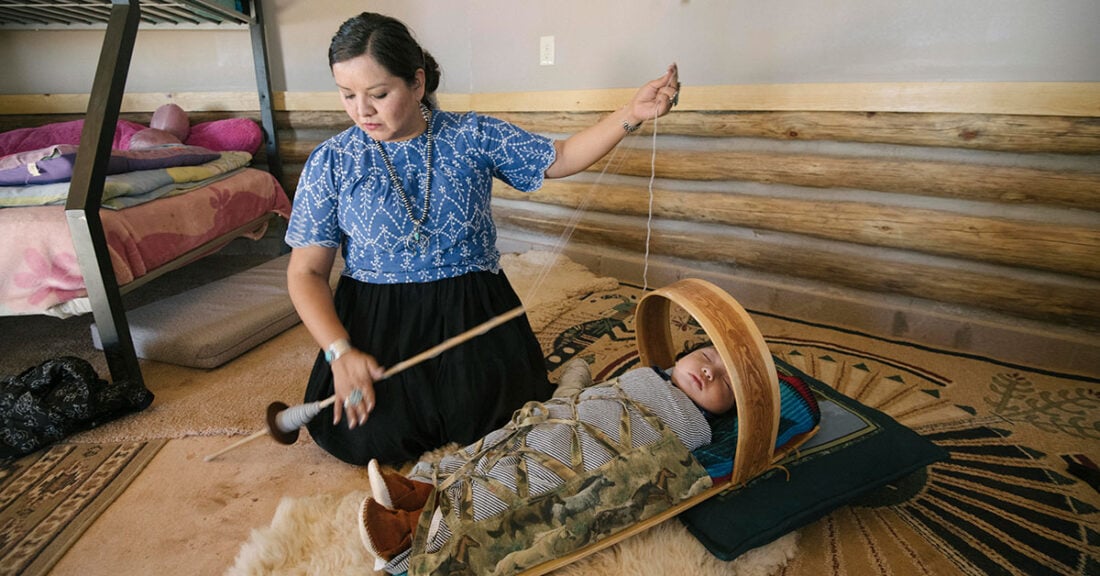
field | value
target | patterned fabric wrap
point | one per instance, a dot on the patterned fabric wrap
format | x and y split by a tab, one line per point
636	483
57	398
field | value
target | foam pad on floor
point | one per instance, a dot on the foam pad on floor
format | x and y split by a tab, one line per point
212	324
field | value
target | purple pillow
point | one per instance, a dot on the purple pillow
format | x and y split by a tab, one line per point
59	168
20	158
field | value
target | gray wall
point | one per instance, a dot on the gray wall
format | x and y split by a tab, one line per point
492	45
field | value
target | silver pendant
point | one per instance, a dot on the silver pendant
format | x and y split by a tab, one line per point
417	241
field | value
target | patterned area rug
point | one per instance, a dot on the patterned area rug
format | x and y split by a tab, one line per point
1004	503
48	498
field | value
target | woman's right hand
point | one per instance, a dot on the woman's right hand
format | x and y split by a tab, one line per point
352	371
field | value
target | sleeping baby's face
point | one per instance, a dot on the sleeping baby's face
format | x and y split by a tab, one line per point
703	377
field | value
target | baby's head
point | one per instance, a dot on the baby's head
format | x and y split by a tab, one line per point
702	375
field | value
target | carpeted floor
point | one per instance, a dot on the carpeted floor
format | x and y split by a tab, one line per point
1004	503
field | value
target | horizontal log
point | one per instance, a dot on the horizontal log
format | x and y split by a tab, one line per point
982	183
16	122
1045	297
331	121
1054	247
1006	133
297	151
1000	184
1004	184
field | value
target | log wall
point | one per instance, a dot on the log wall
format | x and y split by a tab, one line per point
994	214
990	212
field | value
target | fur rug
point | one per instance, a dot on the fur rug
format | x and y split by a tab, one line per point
317	535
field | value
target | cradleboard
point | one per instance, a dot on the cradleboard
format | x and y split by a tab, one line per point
639	487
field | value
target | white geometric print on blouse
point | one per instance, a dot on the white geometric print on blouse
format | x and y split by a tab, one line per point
469	151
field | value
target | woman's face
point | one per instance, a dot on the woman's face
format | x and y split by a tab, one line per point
703	377
382	105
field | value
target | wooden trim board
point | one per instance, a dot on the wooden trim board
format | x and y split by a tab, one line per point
1025	98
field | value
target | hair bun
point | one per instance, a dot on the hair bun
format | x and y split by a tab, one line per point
431	73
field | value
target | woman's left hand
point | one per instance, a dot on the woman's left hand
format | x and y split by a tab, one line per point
657	97
583	149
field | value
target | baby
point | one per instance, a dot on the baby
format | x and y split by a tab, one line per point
681	400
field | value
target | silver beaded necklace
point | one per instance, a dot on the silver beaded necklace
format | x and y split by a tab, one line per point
419	239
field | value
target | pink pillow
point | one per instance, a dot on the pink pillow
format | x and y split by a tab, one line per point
227	134
171	118
151	137
25	139
218	135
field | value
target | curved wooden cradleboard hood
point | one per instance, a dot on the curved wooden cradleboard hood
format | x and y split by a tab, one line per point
743	350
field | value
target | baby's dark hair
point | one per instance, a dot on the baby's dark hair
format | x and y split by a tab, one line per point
690	347
391	44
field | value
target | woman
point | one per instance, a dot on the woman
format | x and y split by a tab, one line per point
404	195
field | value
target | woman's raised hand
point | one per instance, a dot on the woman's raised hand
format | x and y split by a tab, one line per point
656	97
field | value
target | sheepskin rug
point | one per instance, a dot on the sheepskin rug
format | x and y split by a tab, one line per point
318	535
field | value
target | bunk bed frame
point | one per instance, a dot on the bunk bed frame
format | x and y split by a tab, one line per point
122	19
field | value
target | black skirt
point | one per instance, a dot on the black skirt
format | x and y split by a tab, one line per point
458	396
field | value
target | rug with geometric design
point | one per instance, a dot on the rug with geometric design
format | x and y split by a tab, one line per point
1003	503
50	497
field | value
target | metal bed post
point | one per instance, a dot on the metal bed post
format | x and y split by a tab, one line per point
86	192
263	86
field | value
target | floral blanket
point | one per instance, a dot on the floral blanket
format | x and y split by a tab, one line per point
41	274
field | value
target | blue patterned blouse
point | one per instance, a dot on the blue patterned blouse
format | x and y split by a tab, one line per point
345	198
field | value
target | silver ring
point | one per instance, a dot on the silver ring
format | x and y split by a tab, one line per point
354	398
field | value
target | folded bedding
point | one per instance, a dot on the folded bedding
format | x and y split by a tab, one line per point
125	189
55	163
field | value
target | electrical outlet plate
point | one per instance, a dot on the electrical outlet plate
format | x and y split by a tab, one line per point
546	51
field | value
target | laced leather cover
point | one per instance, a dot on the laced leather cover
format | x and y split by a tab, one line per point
635	484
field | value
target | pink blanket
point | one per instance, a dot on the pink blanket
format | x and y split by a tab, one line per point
218	135
39	263
25	139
